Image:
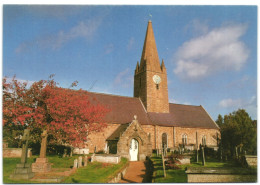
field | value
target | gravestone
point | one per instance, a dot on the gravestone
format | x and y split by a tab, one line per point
41	164
85	160
23	170
65	153
203	156
80	161
197	146
75	163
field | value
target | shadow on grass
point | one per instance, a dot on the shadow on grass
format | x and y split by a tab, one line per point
74	180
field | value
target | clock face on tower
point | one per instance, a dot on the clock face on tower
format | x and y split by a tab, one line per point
156	79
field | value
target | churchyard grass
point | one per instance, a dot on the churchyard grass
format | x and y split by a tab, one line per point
9	165
179	175
96	172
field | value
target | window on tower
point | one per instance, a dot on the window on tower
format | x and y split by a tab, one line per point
157	86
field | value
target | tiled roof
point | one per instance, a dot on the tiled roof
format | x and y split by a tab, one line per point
123	109
120	130
184	116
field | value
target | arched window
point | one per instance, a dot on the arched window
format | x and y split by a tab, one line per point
184	139
164	140
204	140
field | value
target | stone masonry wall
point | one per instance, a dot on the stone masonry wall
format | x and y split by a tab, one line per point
211	135
98	139
134	131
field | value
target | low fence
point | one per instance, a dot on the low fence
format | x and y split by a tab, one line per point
15	152
206	174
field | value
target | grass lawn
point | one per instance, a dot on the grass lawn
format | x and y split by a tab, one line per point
179	176
96	172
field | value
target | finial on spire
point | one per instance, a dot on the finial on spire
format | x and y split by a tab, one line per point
162	65
150	20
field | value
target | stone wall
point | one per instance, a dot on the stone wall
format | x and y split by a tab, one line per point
251	160
211	135
98	139
174	135
15	152
203	174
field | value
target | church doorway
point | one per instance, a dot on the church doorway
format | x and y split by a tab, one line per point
133	150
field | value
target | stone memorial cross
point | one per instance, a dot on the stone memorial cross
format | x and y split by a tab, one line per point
25	140
44	136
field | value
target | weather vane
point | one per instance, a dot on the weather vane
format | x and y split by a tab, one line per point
150	15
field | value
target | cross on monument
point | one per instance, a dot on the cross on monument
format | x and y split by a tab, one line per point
25	140
44	136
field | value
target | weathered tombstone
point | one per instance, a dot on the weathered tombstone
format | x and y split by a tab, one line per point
165	150
236	152
203	156
108	150
221	154
65	153
85	160
71	149
80	161
75	165
41	164
197	147
23	170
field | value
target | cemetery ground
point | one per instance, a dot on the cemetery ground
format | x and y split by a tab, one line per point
179	175
92	173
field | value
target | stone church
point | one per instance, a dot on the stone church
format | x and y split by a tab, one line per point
137	125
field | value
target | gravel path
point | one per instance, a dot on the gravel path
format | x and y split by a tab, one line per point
135	172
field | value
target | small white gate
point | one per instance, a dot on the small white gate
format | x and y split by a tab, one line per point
133	150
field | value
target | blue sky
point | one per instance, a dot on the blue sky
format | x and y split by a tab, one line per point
209	51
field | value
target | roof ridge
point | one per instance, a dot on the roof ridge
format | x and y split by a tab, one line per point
111	94
185	104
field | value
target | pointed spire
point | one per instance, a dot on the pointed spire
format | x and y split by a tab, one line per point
163	66
137	68
150	58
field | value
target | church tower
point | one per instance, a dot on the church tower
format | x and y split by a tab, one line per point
150	79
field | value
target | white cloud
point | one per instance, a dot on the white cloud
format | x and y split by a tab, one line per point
178	102
218	50
29	83
84	29
130	43
197	27
231	103
124	79
250	105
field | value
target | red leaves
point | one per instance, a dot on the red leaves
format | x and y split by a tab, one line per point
66	113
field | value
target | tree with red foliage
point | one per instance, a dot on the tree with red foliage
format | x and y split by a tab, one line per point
68	115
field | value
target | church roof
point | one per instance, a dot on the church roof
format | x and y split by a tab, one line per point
120	130
123	109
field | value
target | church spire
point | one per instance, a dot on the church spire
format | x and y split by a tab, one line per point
150	58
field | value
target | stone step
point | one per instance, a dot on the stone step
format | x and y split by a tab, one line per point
48	179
